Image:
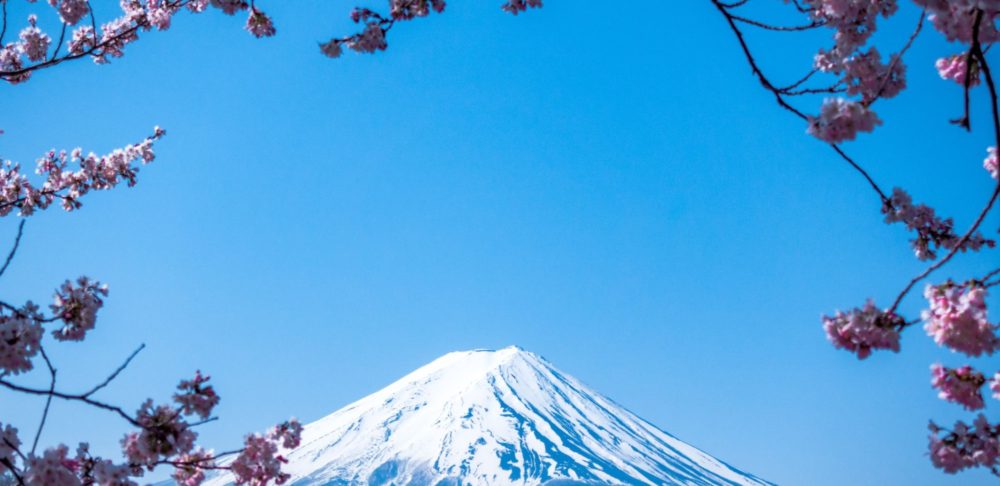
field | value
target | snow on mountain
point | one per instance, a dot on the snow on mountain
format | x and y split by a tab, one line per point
505	417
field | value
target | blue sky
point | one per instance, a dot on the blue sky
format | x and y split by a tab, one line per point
604	185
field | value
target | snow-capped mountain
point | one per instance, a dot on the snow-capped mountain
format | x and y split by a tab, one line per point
505	417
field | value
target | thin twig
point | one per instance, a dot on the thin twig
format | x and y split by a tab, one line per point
69	397
114	374
48	400
898	57
17	241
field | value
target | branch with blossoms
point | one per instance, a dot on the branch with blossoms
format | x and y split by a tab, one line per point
956	317
31	52
371	39
164	434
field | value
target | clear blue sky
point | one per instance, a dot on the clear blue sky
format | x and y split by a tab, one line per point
604	185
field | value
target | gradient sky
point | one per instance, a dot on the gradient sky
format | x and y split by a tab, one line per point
604	185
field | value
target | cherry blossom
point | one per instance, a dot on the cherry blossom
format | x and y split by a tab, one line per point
164	434
956	319
20	341
960	385
517	6
964	447
259	24
77	306
258	463
865	75
191	467
52	469
288	433
862	330
9	443
195	397
956	19
61	182
932	231
990	162
954	68
71	11
34	43
854	20
841	119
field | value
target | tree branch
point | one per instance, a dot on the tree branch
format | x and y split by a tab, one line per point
17	241
114	374
48	400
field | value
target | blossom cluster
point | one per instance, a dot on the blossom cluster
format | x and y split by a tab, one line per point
932	231
959	385
957	19
196	397
517	6
853	20
964	446
865	75
841	119
164	437
62	182
862	330
18	59
77	306
956	67
956	319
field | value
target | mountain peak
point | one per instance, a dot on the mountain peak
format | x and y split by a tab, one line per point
494	417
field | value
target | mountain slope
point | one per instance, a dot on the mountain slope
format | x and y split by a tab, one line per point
495	418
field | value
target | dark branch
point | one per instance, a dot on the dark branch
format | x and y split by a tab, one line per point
17	241
115	374
48	400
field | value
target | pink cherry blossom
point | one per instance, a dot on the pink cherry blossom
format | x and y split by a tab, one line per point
932	231
71	11
841	119
954	68
956	319
77	306
20	341
229	7
34	43
258	463
331	49
955	19
9	444
10	61
409	9
964	447
164	434
990	162
865	75
289	434
191	467
959	385
195	397
517	6
83	39
259	24
862	330
370	40
853	20
52	469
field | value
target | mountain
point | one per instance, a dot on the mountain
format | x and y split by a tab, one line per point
505	417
